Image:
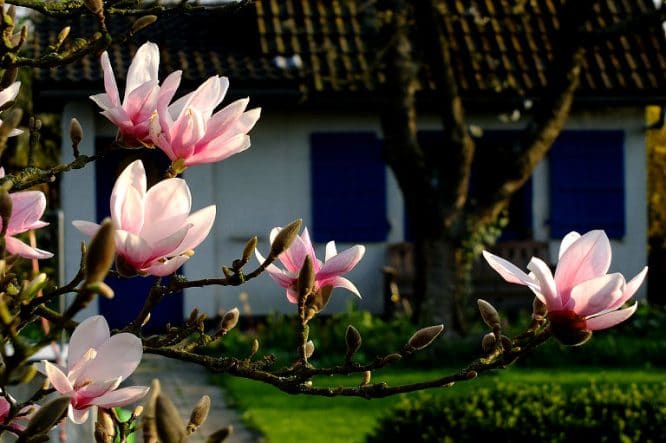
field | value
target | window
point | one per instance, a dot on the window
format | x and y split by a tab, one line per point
348	178
587	183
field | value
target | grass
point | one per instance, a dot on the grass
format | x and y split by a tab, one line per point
282	418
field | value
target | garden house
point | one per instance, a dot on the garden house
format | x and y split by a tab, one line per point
316	151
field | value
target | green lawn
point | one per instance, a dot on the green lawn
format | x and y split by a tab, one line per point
278	416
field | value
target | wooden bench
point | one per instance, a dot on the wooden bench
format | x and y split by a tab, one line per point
486	283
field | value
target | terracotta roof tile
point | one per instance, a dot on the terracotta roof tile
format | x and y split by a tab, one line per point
495	44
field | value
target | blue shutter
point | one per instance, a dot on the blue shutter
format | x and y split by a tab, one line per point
587	183
348	179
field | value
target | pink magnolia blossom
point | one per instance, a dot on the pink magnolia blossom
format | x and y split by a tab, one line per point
581	297
189	133
96	365
27	209
8	95
155	232
142	92
19	422
329	273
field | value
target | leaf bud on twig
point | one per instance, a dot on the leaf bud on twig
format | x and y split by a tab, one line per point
75	135
391	358
170	427
62	36
306	279
199	414
488	343
104	427
100	254
45	418
229	321
424	337
353	340
220	435
248	250
488	313
309	348
284	238
35	285
143	22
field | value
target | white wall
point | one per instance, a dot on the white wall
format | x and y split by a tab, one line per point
269	185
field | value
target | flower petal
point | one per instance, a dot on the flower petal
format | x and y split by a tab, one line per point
17	247
144	68
166	207
117	357
609	319
341	263
9	93
110	85
166	267
507	270
86	227
121	397
341	282
630	289
90	333
567	241
586	258
57	378
596	295
202	222
78	416
547	287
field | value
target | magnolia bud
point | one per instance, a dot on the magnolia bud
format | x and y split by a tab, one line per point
488	343
142	22
105	426
137	411
391	358
102	289
62	36
100	253
424	337
306	279
220	435
367	376
229	321
75	135
507	344
199	414
284	238
309	349
353	340
170	427
250	246
488	313
255	347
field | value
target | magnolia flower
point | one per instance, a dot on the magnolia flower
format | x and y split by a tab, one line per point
19	422
189	133
327	274
97	363
27	208
8	95
155	232
581	297
142	92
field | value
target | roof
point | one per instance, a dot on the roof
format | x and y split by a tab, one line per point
324	48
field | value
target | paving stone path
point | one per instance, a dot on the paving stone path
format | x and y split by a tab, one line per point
185	383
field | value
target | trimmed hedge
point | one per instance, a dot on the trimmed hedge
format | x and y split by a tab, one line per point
528	413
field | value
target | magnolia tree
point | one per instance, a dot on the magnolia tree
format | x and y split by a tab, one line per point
153	232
